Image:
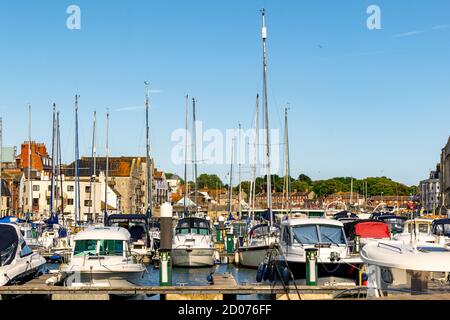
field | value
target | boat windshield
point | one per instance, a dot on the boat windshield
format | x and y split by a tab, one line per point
442	229
195	226
100	247
318	234
395	225
421	227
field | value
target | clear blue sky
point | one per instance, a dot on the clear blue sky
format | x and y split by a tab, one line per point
363	103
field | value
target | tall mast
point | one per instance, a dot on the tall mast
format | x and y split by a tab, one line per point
266	115
239	174
148	198
287	172
30	183
107	163
255	156
52	194
194	136
93	179
77	178
186	155
230	188
59	167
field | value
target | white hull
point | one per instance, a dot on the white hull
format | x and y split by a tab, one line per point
193	257
252	256
21	268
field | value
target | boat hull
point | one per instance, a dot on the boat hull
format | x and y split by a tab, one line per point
193	257
103	277
252	256
324	270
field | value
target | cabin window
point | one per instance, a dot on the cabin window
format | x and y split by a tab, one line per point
83	247
25	250
111	247
7	253
306	234
423	228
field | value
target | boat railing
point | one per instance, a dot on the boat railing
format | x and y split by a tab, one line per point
390	246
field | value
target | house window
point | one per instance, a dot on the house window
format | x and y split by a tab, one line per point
35	187
88	203
70	202
87	189
70	188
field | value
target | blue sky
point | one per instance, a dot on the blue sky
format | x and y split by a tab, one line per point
363	102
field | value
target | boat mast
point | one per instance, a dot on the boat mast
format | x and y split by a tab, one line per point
230	188
77	177
194	136
186	156
52	194
239	172
59	167
107	164
93	171
255	157
30	183
266	114
287	173
148	198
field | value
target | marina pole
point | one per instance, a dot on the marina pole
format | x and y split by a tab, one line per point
1	164
165	270
149	167
52	195
239	174
194	136
30	183
106	168
77	172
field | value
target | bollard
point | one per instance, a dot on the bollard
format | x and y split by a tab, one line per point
311	266
230	243
165	269
221	227
218	235
357	243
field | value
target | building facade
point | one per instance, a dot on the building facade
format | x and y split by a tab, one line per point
430	192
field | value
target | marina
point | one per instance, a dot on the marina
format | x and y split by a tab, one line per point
151	223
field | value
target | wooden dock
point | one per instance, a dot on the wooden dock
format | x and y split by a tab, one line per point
225	287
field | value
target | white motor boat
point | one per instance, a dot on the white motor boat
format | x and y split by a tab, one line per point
259	240
17	261
193	245
393	264
416	230
101	255
324	235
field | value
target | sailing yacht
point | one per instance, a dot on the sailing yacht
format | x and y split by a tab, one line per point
255	247
193	243
17	261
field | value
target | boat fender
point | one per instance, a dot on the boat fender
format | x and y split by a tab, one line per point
285	274
259	272
266	271
271	272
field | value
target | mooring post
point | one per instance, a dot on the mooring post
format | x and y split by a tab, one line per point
221	227
165	270
311	266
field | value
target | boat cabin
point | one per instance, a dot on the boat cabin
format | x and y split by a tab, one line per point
396	223
314	231
136	224
100	242
193	225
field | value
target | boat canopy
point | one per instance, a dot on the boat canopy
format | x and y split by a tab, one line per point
103	233
10	219
375	229
441	227
126	218
8	243
344	214
262	229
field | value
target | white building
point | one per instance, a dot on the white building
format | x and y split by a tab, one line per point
91	202
430	192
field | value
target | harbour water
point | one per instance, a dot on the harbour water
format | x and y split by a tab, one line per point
196	277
